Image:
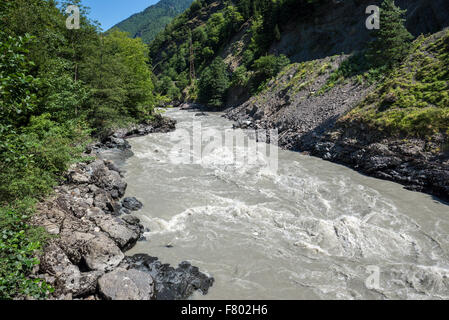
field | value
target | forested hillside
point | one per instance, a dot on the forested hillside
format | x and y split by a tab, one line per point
209	26
254	39
148	23
58	87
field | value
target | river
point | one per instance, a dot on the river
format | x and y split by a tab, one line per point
310	230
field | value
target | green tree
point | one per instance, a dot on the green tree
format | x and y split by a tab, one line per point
267	67
17	86
392	40
213	84
121	84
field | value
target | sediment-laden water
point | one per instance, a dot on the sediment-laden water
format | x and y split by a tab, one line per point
311	230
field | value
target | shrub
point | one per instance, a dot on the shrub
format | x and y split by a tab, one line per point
18	245
267	67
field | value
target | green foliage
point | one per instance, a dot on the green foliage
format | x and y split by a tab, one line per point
213	84
392	40
414	99
355	68
267	67
57	86
17	87
18	245
148	23
122	88
240	77
212	24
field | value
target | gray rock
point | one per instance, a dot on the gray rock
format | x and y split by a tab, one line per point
108	180
131	220
124	235
104	201
122	284
117	143
102	253
124	211
88	283
111	166
57	266
79	178
171	283
132	204
56	263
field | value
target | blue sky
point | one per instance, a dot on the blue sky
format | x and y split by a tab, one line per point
111	12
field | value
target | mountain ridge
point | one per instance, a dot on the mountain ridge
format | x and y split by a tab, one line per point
149	22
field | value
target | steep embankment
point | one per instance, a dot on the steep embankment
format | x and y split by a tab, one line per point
396	129
148	23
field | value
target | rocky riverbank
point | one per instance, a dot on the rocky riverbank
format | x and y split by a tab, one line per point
309	115
411	162
92	227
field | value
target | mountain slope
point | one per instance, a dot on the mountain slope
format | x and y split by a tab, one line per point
148	23
388	123
396	129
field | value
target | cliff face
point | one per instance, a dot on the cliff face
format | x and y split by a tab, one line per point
339	27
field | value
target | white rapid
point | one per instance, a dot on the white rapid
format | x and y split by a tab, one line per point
313	230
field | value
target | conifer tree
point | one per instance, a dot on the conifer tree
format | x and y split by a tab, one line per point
392	39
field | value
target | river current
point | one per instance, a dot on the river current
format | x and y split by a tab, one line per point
310	230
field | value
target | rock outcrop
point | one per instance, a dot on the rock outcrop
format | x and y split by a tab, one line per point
171	283
117	139
89	236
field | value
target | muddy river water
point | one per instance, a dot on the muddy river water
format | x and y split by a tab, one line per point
309	230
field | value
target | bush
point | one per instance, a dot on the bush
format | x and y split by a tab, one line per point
18	245
240	77
267	67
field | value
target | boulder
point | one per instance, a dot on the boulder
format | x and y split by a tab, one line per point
102	253
171	283
104	201
132	220
79	177
111	166
108	180
132	204
122	284
68	277
117	143
124	234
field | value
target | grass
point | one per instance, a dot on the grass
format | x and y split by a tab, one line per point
414	99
